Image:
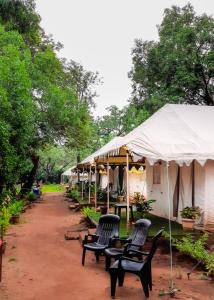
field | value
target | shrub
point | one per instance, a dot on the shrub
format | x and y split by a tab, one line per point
16	207
5	216
74	194
196	249
31	197
190	212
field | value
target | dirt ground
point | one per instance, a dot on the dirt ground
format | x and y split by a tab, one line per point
39	264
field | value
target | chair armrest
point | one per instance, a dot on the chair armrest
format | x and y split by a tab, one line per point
129	245
143	253
129	259
93	238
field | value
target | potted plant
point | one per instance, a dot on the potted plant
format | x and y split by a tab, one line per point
4	224
142	205
15	209
189	214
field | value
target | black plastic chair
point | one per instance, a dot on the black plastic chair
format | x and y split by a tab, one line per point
107	229
140	268
134	242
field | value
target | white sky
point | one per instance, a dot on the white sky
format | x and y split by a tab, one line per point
100	34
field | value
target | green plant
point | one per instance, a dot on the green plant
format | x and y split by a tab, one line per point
91	213
190	212
5	216
197	250
101	195
92	189
16	207
31	197
144	206
74	194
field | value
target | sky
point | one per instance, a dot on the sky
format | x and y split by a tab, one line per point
100	34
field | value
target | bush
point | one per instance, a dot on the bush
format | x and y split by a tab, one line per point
31	197
190	212
74	194
16	207
196	249
5	216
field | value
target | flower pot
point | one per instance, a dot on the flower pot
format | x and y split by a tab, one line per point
14	219
188	223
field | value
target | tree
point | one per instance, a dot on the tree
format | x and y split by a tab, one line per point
40	100
16	107
179	68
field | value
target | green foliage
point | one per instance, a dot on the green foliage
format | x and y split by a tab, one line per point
74	194
31	197
144	206
178	68
16	207
197	250
5	216
190	212
91	213
101	195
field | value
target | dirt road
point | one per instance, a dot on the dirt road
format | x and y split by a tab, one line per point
39	264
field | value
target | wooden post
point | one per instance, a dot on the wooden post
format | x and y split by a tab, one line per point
95	187
108	184
127	185
82	182
193	183
89	188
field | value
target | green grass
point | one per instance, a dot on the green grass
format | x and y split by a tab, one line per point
157	224
51	188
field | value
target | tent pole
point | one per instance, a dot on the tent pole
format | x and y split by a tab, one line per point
171	286
82	181
127	186
108	184
95	187
193	183
89	188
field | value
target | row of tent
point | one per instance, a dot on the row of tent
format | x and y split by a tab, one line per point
176	146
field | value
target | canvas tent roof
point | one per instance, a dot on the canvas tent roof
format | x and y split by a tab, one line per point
69	172
175	132
91	158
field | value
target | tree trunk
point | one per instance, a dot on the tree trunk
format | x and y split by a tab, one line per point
31	177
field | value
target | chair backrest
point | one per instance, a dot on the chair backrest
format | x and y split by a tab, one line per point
139	233
107	228
154	246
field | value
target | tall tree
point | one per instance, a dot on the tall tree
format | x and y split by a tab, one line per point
179	68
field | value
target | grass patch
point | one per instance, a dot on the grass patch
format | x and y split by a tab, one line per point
52	188
157	224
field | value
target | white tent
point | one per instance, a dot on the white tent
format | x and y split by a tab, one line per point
71	175
179	138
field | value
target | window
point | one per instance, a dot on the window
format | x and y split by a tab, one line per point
157	173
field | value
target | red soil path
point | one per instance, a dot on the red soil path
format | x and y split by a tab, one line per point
40	265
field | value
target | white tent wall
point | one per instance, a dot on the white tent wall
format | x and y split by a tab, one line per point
103	181
185	190
137	183
209	193
159	191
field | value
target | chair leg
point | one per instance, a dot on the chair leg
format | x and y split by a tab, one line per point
150	279
145	286
97	256
121	276
83	256
108	262
113	276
